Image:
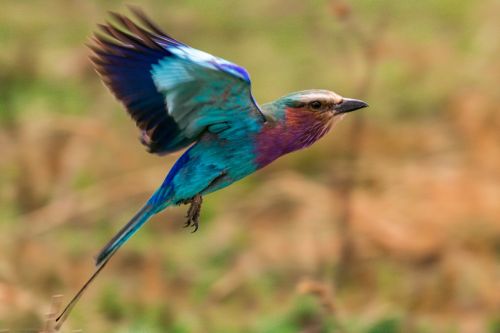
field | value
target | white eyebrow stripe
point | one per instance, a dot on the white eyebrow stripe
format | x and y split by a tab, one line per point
320	96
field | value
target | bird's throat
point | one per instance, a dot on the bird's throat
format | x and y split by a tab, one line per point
295	131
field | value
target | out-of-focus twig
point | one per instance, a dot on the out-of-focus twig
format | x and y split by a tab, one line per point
368	42
55	307
324	293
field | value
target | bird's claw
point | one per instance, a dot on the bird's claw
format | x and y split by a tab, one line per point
193	213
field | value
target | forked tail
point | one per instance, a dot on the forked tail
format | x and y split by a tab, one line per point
106	253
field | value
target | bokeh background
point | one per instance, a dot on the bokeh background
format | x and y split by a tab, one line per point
389	224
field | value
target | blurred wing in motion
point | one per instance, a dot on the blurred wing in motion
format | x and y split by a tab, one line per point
172	91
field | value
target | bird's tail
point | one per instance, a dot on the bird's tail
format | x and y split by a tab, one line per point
141	217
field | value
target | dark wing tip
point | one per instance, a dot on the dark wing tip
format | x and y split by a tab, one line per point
123	51
145	20
139	34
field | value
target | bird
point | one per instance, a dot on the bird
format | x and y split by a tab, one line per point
182	98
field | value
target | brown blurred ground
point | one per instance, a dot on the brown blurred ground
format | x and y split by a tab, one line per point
425	225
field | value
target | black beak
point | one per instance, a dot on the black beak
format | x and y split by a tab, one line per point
348	105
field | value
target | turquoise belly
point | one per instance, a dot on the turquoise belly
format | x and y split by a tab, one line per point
212	167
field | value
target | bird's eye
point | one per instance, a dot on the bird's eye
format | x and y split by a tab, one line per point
316	105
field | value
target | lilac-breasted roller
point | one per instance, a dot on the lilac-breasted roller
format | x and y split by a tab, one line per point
181	97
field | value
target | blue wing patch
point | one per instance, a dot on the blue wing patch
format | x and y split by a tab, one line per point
172	91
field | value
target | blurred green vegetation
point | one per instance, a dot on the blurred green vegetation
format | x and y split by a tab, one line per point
425	225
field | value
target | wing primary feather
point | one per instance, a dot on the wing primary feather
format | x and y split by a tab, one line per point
123	37
143	18
127	24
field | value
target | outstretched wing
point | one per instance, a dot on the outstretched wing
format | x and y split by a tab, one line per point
173	92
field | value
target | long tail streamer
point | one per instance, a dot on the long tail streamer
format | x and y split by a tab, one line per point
105	255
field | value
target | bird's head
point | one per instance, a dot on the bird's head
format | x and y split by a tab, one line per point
303	117
317	108
320	103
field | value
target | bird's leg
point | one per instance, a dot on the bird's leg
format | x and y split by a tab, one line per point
193	213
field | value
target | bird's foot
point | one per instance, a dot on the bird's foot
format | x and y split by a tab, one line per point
193	213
